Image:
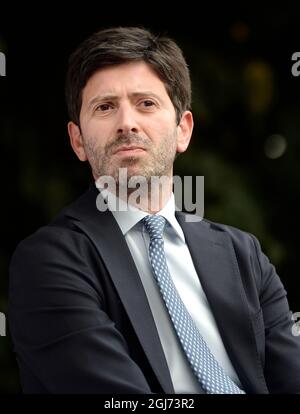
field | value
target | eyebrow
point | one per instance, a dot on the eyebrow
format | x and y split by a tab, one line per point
109	96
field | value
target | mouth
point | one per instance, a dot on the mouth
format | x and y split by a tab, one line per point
129	150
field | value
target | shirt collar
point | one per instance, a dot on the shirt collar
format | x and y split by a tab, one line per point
128	216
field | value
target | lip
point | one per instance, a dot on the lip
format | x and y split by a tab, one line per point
129	150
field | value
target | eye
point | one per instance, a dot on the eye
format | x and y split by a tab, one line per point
147	103
103	107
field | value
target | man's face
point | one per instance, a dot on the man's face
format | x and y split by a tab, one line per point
128	121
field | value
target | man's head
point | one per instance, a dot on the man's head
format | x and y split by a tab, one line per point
128	44
127	89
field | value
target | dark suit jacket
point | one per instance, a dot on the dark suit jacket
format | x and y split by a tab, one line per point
81	323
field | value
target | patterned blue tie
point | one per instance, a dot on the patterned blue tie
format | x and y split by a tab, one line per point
209	373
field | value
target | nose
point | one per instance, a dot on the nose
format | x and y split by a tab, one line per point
127	120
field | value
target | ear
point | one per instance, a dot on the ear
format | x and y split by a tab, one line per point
185	129
76	141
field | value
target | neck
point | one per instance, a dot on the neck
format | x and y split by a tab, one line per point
150	197
146	195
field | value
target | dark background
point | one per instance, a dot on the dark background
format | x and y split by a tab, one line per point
246	141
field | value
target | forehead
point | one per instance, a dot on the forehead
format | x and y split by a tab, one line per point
132	77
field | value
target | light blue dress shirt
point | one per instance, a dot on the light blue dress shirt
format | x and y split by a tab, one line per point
187	283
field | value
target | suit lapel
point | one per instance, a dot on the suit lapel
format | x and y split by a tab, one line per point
108	239
216	265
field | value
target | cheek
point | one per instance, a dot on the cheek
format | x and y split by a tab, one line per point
94	134
160	127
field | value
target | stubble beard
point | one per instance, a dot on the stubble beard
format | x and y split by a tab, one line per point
157	162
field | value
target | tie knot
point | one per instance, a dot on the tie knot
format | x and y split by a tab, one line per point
155	226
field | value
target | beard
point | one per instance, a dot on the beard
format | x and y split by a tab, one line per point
157	161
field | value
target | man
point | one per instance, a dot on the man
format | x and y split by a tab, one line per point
140	299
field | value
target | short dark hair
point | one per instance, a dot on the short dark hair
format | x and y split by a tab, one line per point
118	45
